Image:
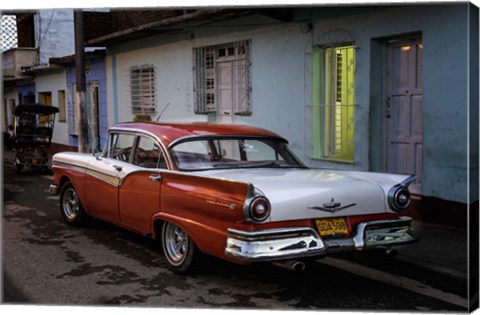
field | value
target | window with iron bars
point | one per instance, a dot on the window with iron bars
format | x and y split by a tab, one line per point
142	89
333	112
8	32
205	63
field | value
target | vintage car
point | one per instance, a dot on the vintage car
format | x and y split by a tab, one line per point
235	192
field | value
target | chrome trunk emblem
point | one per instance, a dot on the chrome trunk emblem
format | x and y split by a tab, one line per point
332	206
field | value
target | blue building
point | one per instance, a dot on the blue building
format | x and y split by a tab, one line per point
96	98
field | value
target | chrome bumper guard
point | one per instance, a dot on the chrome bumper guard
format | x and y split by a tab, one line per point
53	190
272	244
288	243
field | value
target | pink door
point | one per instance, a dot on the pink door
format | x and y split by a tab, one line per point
404	109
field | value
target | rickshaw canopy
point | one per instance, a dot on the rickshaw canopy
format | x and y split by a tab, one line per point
37	109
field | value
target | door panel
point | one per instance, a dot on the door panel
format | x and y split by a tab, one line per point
240	76
139	199
404	109
225	92
399	72
417	129
101	189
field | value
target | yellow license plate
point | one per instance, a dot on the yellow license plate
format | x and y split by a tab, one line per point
331	226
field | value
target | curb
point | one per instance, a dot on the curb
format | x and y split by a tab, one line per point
432	266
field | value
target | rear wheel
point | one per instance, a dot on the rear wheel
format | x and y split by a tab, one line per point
71	208
178	248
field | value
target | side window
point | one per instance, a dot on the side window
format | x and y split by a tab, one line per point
121	146
147	154
142	89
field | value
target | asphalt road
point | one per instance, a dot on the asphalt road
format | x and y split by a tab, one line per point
46	262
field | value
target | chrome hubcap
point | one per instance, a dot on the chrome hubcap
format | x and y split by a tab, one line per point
176	244
71	204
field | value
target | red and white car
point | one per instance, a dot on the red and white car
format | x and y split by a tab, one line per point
235	192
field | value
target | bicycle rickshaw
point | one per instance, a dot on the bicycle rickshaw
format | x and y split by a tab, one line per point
33	125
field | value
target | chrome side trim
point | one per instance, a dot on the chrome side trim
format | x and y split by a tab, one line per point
70	166
107	178
407	182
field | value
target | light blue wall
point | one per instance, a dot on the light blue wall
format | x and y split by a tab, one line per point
445	79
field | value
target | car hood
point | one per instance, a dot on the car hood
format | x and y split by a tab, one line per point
311	193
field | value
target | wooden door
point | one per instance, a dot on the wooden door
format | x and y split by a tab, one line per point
404	149
225	92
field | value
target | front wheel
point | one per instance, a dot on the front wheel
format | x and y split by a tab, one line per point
71	208
178	248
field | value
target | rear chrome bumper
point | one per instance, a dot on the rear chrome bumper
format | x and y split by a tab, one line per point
289	243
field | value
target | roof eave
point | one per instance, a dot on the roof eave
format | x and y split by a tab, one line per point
139	31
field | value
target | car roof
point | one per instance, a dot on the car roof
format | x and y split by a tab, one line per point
169	133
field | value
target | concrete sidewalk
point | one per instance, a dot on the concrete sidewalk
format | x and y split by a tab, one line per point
441	249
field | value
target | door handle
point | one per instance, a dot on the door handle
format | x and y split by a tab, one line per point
117	167
155	177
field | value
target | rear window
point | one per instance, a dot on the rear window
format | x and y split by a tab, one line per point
220	153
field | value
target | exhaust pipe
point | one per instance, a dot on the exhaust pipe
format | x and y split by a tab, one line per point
292	265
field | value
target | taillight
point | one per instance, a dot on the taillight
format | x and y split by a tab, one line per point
259	209
399	198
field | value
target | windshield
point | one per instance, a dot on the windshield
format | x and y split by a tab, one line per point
218	153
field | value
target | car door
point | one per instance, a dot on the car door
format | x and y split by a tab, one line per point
140	188
104	175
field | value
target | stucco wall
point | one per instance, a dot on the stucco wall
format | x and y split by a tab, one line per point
276	98
54	82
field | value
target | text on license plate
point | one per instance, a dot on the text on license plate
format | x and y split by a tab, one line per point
331	226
